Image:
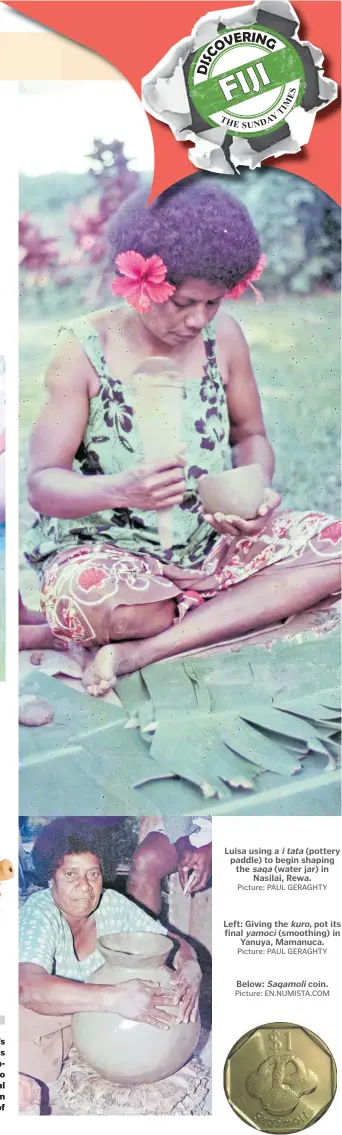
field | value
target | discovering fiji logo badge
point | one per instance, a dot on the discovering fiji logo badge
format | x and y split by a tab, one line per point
248	80
242	87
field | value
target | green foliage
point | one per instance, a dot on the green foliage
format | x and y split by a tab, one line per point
51	192
299	227
295	351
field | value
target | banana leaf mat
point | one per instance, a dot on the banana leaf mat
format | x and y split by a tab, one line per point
81	1091
256	732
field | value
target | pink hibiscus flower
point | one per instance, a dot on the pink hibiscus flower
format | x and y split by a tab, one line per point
248	281
142	281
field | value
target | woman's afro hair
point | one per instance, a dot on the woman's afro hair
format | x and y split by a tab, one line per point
196	227
66	835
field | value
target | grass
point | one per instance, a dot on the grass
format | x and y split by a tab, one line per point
295	349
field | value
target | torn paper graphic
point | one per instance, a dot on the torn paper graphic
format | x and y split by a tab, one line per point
243	87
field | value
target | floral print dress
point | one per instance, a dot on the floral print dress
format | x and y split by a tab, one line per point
112	444
90	565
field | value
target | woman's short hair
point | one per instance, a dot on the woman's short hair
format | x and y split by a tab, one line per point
197	227
67	835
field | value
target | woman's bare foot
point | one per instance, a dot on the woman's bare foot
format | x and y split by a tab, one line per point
111	661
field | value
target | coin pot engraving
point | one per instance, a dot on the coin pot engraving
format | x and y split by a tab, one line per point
280	1077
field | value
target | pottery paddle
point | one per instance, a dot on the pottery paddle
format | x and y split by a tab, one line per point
158	392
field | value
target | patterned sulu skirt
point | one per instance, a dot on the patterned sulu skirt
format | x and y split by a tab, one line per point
82	585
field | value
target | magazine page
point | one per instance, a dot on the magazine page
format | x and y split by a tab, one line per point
170	544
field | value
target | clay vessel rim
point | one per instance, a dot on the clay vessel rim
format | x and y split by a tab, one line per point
212	476
120	947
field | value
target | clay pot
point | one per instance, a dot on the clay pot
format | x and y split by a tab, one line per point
125	1051
236	492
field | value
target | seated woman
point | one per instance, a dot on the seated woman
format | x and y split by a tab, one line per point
59	927
105	579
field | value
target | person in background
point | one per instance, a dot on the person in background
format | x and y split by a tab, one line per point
178	843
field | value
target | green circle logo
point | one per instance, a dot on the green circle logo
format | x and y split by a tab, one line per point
248	80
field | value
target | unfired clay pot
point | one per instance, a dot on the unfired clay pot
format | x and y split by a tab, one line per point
126	1051
236	492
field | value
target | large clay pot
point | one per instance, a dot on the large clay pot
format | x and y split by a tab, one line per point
236	492
126	1051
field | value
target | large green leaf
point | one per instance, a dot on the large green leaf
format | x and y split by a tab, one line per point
190	733
275	721
332	698
312	707
194	750
133	694
264	753
202	694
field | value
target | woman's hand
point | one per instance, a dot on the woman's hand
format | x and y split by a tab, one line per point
197	860
235	526
152	487
186	983
137	1000
140	1001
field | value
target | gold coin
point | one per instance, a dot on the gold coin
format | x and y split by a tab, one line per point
280	1078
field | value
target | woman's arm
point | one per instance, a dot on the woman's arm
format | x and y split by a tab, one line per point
247	436
54	488
185	950
57	996
43	993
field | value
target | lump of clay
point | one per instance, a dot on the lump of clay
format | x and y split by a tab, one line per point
34	711
6	870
